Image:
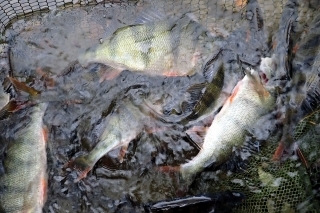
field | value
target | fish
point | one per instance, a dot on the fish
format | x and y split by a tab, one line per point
304	91
23	185
209	202
171	46
17	101
248	102
123	125
203	98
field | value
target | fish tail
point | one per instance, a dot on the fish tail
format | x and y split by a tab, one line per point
82	164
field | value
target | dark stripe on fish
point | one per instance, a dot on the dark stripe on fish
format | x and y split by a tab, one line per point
145	42
211	93
16	162
113	43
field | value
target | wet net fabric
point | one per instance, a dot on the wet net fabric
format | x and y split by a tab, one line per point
268	187
11	11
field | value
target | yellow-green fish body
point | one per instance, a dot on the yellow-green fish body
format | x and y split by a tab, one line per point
23	185
122	126
170	47
247	103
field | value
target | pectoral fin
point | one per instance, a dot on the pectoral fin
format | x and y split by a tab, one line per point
23	87
10	107
122	152
197	134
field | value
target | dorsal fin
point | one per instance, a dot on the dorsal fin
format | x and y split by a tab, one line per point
149	15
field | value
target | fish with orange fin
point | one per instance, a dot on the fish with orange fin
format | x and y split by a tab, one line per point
123	125
23	185
14	105
156	45
248	102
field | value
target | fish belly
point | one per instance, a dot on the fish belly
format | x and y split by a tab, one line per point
177	48
228	129
23	185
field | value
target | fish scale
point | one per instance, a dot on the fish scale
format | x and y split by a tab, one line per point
24	181
178	46
248	102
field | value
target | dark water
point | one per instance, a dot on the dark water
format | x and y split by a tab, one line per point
80	106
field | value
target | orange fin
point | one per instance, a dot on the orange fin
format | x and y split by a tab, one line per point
45	133
279	151
170	74
44	188
122	152
81	165
23	87
197	135
241	3
234	92
49	82
169	169
10	107
109	74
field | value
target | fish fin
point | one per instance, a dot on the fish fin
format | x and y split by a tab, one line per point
10	107
301	156
186	107
111	29
171	73
44	189
241	3
122	152
169	169
196	91
234	93
196	134
45	133
23	87
109	74
82	165
279	152
150	15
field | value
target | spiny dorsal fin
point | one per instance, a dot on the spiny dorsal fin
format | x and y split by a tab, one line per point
150	15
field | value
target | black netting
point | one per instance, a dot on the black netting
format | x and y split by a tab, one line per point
41	45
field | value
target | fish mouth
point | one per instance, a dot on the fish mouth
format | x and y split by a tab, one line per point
263	77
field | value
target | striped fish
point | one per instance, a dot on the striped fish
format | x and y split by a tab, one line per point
23	185
168	46
120	127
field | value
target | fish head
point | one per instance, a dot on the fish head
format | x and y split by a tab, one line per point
253	79
267	68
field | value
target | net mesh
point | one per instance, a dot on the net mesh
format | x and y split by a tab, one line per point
206	11
288	187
